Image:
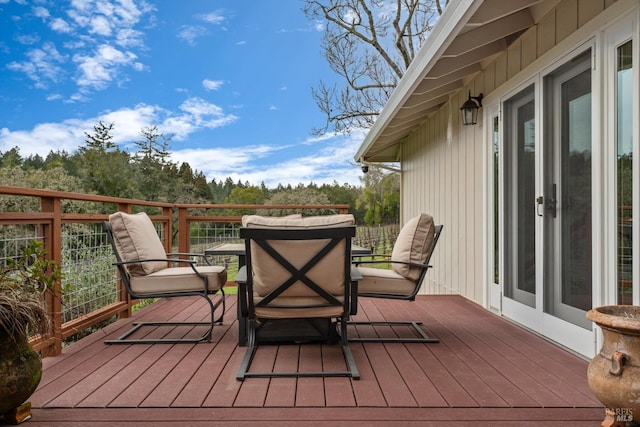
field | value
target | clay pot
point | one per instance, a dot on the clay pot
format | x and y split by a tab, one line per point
614	374
20	371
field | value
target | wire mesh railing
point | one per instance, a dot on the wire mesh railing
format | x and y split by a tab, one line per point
90	292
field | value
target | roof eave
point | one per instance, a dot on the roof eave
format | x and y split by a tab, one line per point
450	23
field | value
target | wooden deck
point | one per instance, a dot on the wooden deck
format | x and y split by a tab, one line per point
485	371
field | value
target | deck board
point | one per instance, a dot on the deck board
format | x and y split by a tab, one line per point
484	371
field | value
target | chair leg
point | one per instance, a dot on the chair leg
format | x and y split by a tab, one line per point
243	371
423	337
346	351
124	338
224	307
249	352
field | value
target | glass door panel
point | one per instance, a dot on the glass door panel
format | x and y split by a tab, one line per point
568	187
519	197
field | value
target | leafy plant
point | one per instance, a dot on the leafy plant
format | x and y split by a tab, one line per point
23	283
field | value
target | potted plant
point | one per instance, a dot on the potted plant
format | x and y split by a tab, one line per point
23	313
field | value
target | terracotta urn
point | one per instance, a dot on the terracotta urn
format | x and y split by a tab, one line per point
614	374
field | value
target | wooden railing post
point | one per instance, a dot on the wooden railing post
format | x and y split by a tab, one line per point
53	246
183	230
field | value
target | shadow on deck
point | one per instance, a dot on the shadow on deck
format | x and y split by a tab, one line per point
485	371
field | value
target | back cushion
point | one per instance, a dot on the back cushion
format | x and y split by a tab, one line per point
268	273
136	239
257	221
412	245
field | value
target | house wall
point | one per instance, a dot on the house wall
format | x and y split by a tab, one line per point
442	161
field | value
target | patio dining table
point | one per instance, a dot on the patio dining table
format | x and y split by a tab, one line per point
238	249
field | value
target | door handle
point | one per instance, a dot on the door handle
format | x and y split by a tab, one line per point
551	203
539	202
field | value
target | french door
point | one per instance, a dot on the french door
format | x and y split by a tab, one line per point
547	204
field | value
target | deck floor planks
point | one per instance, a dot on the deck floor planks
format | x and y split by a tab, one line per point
132	367
224	391
485	369
310	390
553	385
506	379
366	390
424	392
208	372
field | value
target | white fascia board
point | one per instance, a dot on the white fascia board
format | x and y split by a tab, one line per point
452	21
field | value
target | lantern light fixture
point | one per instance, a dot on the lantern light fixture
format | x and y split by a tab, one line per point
470	108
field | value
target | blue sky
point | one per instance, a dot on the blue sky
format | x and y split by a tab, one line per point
229	79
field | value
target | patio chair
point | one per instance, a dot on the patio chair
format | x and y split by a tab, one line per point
144	269
409	265
297	277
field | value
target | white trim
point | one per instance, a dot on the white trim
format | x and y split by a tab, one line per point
489	287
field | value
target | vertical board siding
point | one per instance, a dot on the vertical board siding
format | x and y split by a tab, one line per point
443	176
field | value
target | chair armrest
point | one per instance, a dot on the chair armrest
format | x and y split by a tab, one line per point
189	254
355	277
389	261
384	256
241	277
355	274
241	280
140	261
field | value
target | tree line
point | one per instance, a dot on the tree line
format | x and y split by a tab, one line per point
100	166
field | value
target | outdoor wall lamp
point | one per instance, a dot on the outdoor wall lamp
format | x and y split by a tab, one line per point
365	167
470	109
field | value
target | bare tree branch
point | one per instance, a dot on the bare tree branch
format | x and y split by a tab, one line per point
369	44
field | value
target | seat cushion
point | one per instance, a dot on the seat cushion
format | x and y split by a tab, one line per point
267	312
179	279
378	281
412	245
136	239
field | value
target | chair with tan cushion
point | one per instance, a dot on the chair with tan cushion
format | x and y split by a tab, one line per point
297	269
409	263
144	268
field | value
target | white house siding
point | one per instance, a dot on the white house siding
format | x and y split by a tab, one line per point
444	176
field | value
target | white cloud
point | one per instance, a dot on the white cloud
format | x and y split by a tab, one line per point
190	33
100	25
253	163
196	114
90	29
235	159
41	65
193	114
41	12
263	163
28	39
212	18
60	25
44	137
97	71
129	37
212	84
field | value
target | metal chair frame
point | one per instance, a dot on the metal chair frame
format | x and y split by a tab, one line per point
263	237
422	336
205	293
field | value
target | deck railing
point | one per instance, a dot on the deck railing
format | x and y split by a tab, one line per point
70	226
